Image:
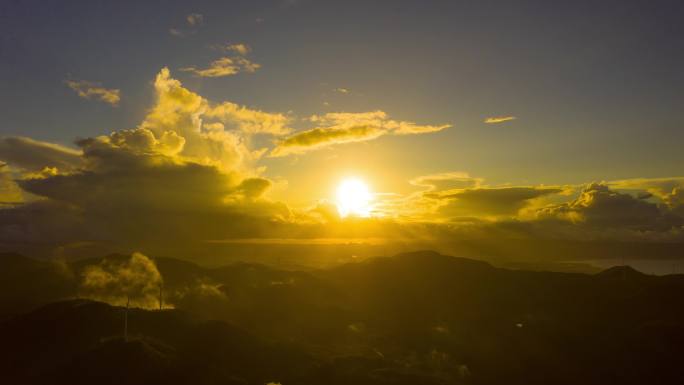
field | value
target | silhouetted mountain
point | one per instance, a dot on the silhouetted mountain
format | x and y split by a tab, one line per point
80	342
622	272
413	318
26	283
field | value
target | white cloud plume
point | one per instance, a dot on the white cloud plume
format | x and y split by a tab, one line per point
115	280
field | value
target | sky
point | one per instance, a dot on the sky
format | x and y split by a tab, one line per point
242	119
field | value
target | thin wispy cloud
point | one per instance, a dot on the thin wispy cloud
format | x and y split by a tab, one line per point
241	49
227	65
92	90
499	119
194	19
343	127
192	22
176	32
224	66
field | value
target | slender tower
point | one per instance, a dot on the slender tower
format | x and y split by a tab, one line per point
161	296
128	302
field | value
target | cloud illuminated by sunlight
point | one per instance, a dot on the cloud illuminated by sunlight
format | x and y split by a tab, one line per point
345	127
499	119
91	90
224	66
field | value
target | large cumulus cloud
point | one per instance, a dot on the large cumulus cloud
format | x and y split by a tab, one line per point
599	206
169	178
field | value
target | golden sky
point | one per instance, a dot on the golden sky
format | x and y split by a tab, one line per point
191	162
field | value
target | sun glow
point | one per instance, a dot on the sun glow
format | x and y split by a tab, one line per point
354	198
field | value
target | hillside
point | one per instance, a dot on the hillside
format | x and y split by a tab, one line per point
413	318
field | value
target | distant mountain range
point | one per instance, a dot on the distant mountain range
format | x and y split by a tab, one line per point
414	318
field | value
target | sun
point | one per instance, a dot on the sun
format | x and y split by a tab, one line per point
354	198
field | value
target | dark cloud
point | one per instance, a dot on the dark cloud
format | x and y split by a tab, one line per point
254	187
669	190
33	155
599	206
502	201
121	190
44	222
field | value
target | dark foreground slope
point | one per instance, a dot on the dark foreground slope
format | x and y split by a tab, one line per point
416	318
81	342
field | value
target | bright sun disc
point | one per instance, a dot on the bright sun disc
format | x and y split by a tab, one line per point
353	198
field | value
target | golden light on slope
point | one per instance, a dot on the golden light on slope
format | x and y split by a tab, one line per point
354	198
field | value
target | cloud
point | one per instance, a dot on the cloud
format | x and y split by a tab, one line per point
136	196
182	127
457	197
10	193
322	137
499	119
197	290
117	176
496	201
176	32
446	181
341	90
33	155
241	49
599	206
181	112
227	65
115	281
183	172
342	127
90	90
188	174
249	120
254	187
224	66
195	19
668	190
